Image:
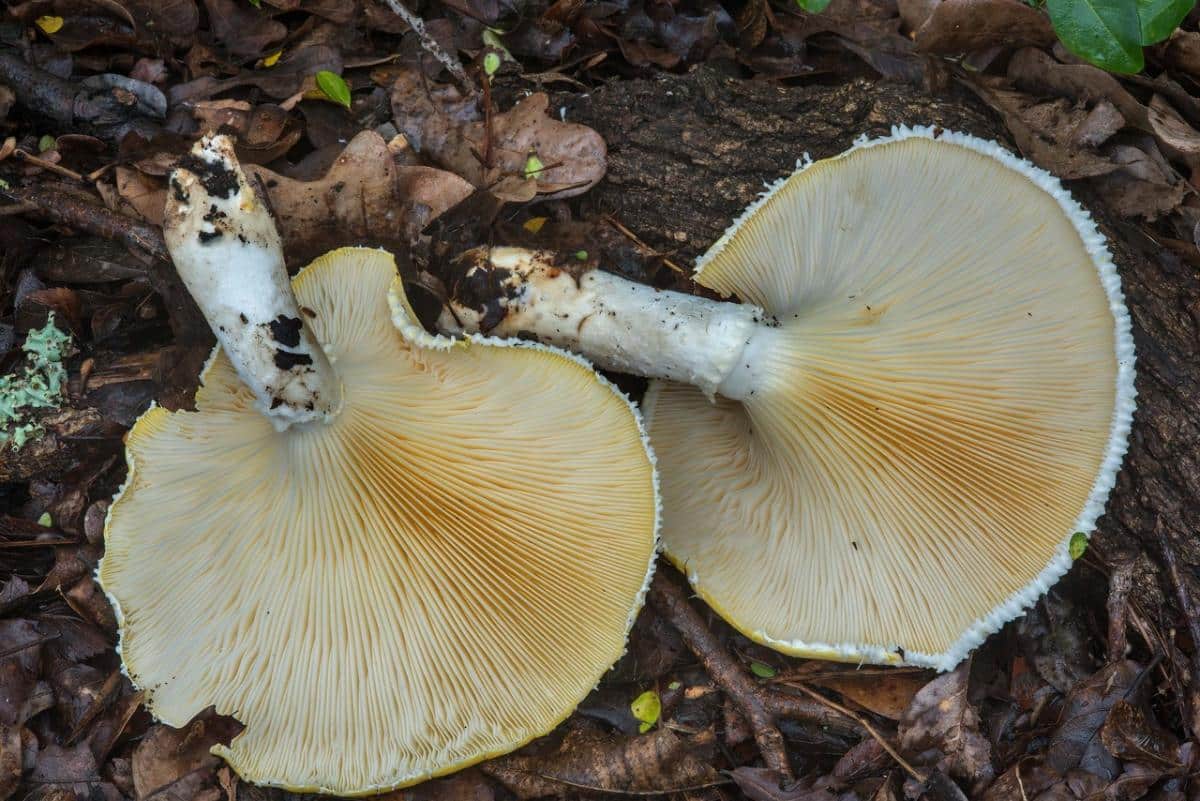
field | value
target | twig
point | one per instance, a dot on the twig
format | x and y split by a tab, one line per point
17	208
879	738
93	218
642	246
672	602
22	155
1191	614
790	706
447	60
1119	585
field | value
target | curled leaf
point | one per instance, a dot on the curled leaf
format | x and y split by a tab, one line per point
334	87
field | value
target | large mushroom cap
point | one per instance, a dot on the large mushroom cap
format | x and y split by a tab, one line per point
437	576
945	401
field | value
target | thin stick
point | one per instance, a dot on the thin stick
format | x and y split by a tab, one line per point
816	696
642	246
671	600
447	60
47	165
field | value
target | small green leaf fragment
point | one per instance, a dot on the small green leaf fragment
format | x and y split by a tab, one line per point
491	63
675	685
45	520
813	6
1107	33
256	3
4	184
1160	18
581	255
1078	545
334	87
533	166
47	142
762	671
646	708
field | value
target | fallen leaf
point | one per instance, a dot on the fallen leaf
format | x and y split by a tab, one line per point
961	26
243	30
885	692
145	196
658	762
1174	132
1101	124
1130	735
166	755
1076	742
468	785
365	198
1034	70
1044	130
20	655
449	129
1145	185
942	727
763	784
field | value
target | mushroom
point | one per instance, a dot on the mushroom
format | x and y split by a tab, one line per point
882	452
388	559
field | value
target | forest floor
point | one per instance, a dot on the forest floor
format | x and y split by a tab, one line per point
1094	693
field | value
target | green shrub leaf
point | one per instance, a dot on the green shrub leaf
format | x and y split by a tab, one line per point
334	87
1160	18
814	6
1107	33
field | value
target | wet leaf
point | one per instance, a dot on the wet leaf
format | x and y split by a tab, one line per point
49	24
813	6
1173	132
1105	32
942	727
886	692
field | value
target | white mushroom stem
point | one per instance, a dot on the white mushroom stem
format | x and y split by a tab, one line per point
227	249
615	323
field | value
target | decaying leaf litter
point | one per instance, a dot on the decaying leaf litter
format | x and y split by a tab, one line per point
1093	694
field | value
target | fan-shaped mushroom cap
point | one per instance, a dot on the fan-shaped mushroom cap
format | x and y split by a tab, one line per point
946	399
436	576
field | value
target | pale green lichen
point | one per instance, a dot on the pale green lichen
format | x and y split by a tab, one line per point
38	385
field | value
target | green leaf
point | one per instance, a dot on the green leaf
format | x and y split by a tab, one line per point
47	142
1078	545
491	63
533	166
1107	33
646	708
1160	18
813	6
256	3
45	520
334	87
762	671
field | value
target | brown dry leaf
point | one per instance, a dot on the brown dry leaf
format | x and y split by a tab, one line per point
1182	52
1173	131
144	195
175	20
1044	132
1145	185
244	30
365	198
658	762
886	692
166	756
1034	70
283	80
1101	124
1077	743
450	130
763	784
963	26
942	727
1130	735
